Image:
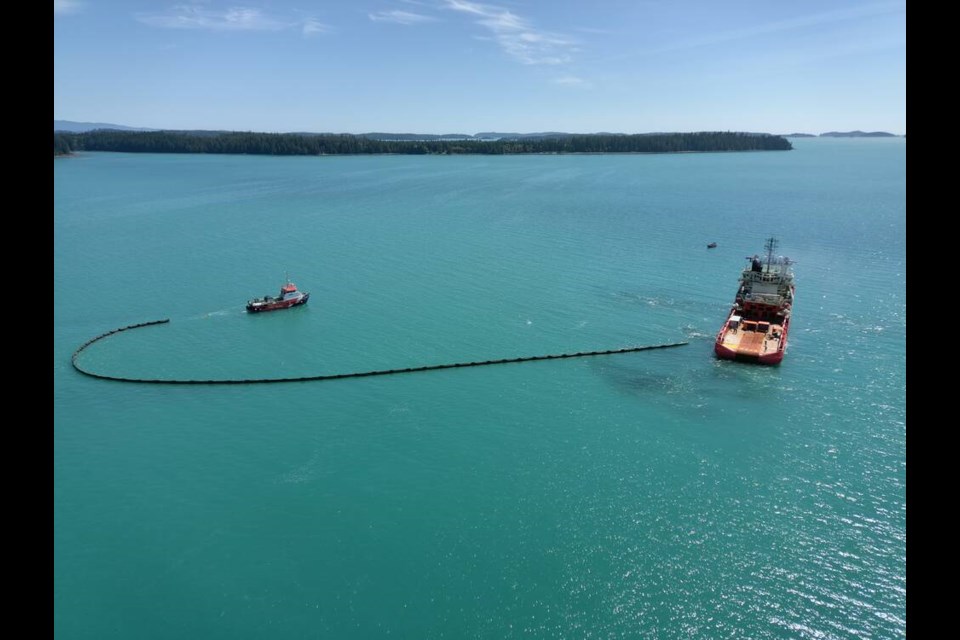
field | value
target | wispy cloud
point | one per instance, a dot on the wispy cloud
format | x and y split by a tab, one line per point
193	16
313	27
571	81
516	35
400	17
198	16
61	7
811	20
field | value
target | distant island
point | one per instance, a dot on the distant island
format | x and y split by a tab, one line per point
80	127
304	144
857	134
799	135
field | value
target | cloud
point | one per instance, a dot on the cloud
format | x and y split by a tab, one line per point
802	22
516	35
400	17
571	81
312	27
61	7
233	19
197	16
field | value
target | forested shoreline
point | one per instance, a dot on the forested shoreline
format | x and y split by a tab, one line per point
300	144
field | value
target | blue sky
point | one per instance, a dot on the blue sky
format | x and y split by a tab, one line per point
459	66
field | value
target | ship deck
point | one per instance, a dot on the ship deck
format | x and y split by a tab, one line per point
748	341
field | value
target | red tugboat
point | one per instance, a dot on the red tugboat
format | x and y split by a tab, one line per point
756	328
289	297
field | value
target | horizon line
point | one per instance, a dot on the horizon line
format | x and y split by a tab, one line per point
119	127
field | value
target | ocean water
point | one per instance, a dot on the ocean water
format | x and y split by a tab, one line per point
660	494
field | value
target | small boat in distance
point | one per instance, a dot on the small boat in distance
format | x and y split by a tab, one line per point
712	245
759	320
289	297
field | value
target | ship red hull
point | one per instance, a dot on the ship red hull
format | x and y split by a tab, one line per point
729	354
279	304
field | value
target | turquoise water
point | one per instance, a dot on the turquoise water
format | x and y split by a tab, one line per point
660	494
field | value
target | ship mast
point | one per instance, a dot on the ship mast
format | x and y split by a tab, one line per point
770	245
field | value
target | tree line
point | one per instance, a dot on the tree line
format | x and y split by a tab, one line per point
299	144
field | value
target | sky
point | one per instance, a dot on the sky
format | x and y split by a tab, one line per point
459	66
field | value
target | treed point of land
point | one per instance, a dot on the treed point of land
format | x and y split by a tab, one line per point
301	144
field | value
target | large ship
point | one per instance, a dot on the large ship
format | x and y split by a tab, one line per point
757	325
289	297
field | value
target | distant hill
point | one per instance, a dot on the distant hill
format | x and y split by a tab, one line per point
493	135
415	137
486	136
799	135
857	134
80	127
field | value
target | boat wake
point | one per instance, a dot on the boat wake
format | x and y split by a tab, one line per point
693	332
206	315
217	314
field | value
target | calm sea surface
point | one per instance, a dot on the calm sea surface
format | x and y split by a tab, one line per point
660	494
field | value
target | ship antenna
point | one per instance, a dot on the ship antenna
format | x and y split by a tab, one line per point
770	246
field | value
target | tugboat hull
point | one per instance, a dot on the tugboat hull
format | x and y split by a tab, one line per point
289	297
254	307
